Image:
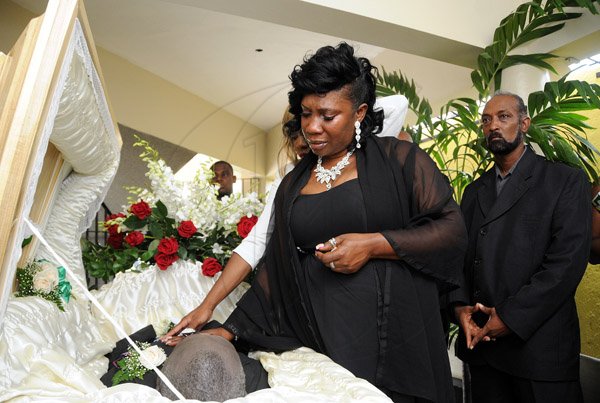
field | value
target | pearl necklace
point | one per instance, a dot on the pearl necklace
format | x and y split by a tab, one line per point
327	176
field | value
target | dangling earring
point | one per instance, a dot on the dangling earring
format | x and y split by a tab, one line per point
357	130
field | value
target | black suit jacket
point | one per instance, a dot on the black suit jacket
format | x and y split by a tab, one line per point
528	250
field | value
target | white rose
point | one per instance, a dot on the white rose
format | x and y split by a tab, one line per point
152	355
46	278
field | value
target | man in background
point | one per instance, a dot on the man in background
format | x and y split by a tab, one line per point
224	177
529	225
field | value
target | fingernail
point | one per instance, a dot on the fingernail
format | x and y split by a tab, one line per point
319	246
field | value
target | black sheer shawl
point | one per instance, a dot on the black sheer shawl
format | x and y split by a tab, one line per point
410	202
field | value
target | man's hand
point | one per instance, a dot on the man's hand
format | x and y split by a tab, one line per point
464	315
195	319
493	328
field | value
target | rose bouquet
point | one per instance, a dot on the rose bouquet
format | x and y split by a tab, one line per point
172	220
44	279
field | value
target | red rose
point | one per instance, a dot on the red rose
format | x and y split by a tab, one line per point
116	240
113	216
134	238
141	209
211	266
186	229
245	225
113	229
168	246
163	261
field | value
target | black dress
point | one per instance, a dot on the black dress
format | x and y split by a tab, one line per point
344	305
385	318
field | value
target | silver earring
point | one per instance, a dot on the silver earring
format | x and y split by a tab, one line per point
357	131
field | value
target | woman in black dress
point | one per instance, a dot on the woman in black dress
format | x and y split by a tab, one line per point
366	237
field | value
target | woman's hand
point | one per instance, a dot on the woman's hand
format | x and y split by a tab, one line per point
347	253
195	319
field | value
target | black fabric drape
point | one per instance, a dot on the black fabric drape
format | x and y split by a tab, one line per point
410	202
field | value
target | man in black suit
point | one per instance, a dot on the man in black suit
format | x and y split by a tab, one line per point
529	225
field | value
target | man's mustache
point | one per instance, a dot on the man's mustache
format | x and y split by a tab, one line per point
494	135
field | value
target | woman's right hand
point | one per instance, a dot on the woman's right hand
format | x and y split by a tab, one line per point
194	320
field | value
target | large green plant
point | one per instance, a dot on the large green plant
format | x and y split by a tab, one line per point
456	140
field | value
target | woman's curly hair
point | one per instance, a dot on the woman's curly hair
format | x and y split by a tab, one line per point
329	69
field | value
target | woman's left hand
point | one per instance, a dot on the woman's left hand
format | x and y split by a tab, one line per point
347	253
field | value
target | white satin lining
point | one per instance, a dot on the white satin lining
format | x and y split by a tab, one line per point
98	306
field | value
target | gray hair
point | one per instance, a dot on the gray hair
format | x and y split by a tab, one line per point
521	107
205	368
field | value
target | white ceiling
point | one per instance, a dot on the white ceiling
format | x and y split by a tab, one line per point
207	47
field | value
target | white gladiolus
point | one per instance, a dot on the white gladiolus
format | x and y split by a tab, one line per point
196	200
217	249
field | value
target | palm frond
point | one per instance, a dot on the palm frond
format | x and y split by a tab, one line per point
529	22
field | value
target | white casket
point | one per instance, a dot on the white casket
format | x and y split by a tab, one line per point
60	149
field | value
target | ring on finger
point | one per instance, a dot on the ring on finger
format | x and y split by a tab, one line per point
332	265
333	242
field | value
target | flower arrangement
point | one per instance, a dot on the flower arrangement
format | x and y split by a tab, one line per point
133	365
172	220
44	279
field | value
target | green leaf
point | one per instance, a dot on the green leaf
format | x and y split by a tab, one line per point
160	210
147	255
182	252
156	230
536	60
133	222
153	247
26	241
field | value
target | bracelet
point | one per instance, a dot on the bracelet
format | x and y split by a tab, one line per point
233	330
596	201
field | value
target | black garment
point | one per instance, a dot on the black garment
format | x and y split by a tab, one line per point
528	249
489	385
410	203
337	300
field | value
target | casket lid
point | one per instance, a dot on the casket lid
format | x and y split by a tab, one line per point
47	129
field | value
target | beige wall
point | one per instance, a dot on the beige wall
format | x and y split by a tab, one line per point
13	20
145	102
149	104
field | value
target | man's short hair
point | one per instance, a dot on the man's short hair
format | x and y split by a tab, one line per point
229	166
204	367
521	107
